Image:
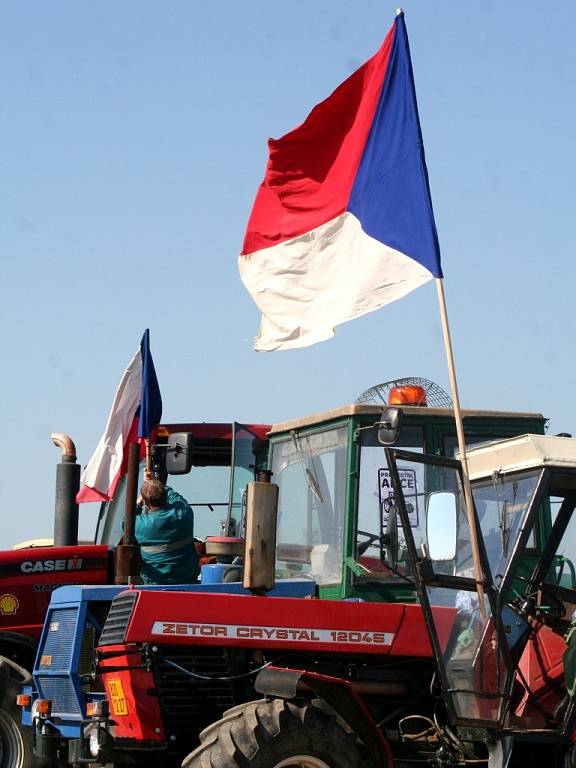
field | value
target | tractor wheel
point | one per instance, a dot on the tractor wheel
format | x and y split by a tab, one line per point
570	757
276	734
15	739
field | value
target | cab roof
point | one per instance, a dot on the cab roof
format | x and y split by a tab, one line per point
214	430
521	453
360	409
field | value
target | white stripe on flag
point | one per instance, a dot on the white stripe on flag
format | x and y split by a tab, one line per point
106	461
306	286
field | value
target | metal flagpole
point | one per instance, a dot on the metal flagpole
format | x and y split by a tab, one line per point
461	445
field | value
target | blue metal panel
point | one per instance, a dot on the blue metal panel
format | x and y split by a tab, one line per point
57	663
59	640
284	588
60	690
73	595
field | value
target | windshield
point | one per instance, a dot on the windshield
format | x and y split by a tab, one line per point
502	504
376	497
214	492
563	571
204	488
311	474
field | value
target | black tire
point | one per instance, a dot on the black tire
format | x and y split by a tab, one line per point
267	733
15	739
570	757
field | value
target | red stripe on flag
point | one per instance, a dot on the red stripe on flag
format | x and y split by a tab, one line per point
311	170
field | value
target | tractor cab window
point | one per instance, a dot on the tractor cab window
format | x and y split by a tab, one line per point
376	497
550	587
563	571
214	487
310	470
501	505
205	488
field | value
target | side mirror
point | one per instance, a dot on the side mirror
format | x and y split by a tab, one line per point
441	526
179	453
389	426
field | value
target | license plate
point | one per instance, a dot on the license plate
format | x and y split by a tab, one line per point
117	698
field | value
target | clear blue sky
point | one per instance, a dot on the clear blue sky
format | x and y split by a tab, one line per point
133	138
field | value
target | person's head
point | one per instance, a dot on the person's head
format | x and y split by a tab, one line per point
153	493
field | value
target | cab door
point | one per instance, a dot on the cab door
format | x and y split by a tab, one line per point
474	666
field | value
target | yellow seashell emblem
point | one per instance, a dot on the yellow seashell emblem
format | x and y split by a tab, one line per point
8	604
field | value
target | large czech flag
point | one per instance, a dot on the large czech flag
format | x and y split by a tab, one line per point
135	414
343	223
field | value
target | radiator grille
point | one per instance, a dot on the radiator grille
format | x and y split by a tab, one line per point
55	674
118	619
189	704
59	643
86	659
59	689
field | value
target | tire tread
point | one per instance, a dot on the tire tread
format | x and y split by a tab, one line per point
248	732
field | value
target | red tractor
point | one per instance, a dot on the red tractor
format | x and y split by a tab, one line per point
214	462
371	648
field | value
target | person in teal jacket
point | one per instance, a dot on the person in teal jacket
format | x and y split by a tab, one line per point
165	531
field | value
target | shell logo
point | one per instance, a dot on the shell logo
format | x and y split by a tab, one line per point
8	604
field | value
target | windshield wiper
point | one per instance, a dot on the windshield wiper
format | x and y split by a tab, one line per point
311	479
505	510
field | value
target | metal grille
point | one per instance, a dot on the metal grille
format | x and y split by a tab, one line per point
60	691
59	641
189	704
436	397
86	660
118	619
56	680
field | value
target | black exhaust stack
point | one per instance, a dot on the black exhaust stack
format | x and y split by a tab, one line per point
67	486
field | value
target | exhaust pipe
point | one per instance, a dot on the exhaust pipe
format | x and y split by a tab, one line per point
127	566
260	544
67	486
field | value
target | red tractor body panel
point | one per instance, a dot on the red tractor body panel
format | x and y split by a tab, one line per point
298	625
29	576
135	713
542	667
181	618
